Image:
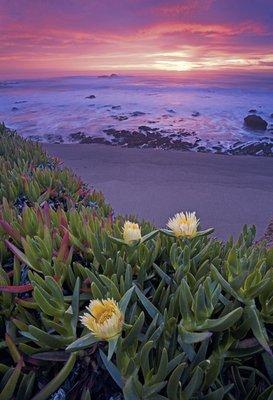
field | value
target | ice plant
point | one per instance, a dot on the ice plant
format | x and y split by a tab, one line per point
104	319
184	224
131	232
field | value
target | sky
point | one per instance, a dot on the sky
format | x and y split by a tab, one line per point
55	37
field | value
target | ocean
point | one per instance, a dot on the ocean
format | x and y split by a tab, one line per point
143	111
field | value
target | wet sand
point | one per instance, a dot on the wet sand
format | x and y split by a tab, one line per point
225	191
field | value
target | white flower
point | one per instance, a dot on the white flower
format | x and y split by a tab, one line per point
131	232
104	319
184	224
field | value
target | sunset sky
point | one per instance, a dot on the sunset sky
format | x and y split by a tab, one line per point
53	37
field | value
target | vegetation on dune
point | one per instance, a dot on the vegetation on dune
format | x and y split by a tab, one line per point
171	314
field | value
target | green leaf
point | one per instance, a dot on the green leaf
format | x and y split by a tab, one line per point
216	395
267	394
124	301
134	331
83	343
193	337
10	386
205	233
112	344
57	381
167	232
257	327
149	236
194	384
112	369
149	391
150	308
45	305
42	337
162	274
173	382
19	254
225	285
117	240
222	323
75	306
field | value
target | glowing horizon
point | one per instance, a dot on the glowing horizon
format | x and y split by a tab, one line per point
156	36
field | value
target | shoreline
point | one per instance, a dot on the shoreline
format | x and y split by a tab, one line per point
226	192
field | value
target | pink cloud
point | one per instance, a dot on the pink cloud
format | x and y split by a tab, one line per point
84	35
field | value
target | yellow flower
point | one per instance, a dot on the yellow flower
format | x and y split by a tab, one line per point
131	232
104	319
184	224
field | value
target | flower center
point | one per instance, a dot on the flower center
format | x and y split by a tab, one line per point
104	316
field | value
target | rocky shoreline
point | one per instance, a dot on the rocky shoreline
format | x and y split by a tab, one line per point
147	137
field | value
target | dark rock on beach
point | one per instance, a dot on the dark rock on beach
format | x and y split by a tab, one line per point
252	111
93	140
146	137
271	115
92	96
195	114
77	136
253	148
116	107
119	117
147	129
255	122
137	114
14	109
51	138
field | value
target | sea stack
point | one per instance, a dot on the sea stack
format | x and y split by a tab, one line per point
255	122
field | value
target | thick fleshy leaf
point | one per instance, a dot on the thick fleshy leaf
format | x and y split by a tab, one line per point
83	343
150	308
124	301
112	369
205	233
193	337
149	236
112	344
57	381
16	288
19	254
257	327
222	323
9	388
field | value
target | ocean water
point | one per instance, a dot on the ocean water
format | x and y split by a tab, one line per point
190	114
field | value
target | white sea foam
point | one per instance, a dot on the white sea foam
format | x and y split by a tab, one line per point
50	110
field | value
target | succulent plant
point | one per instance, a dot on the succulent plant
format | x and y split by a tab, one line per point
193	316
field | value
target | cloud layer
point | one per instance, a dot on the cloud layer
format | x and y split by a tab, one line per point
48	36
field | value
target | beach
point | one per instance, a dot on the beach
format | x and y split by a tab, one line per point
225	191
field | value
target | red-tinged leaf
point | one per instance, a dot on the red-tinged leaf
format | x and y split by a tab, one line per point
16	288
18	253
85	290
87	281
25	181
27	303
63	221
12	232
64	248
46	215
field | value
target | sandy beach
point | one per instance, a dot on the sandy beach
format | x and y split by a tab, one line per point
225	191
